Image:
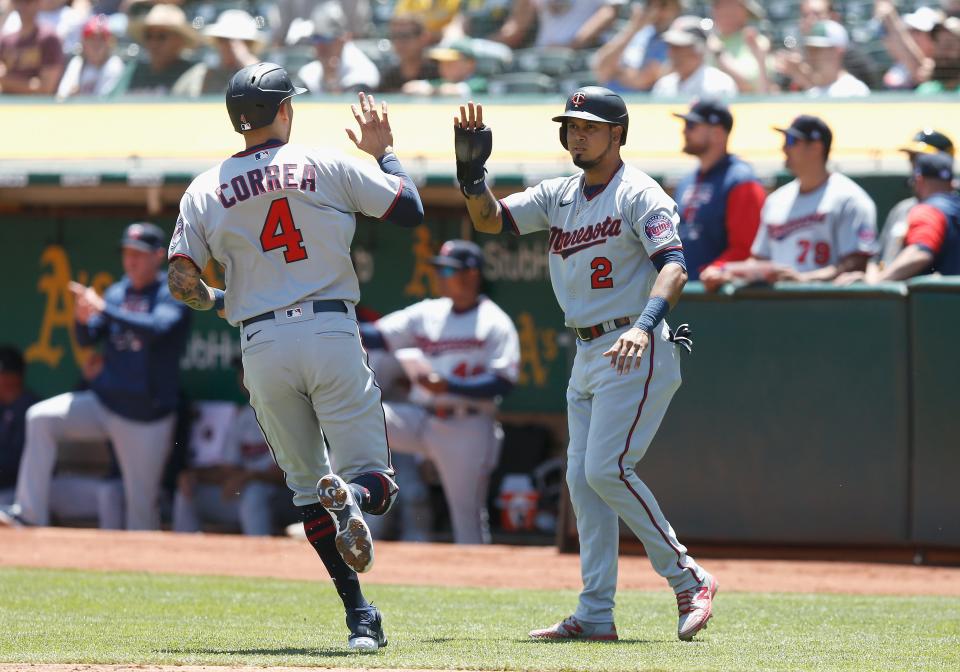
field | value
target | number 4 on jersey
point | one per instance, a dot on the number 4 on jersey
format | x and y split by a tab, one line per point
279	231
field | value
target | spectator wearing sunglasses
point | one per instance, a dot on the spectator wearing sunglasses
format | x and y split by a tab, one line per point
719	202
165	34
409	40
470	359
340	66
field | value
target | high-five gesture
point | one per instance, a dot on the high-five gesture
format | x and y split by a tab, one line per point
376	136
473	143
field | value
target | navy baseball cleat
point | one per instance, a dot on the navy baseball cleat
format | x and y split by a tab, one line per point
366	629
354	541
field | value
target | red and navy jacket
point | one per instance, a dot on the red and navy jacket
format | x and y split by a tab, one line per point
719	213
934	224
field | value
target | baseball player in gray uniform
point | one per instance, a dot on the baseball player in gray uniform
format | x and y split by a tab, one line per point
617	266
280	218
473	351
816	227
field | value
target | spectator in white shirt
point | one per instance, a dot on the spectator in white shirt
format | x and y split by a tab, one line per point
340	66
576	24
825	45
96	70
691	76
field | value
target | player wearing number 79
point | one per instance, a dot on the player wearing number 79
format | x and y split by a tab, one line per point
617	267
280	218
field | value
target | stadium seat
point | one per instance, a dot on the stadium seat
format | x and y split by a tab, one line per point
552	61
522	82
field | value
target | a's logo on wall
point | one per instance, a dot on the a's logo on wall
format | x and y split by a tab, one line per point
423	280
578	99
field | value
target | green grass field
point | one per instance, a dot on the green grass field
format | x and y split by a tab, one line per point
88	617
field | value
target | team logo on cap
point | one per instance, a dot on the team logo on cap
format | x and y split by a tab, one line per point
658	228
578	98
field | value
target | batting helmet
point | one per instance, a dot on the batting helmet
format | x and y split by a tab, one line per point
595	103
255	93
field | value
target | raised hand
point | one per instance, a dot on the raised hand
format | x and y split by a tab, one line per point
376	136
471	120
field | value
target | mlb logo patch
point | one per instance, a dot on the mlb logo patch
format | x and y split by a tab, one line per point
658	228
295	312
259	156
244	124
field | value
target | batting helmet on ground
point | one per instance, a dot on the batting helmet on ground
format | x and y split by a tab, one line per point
255	93
595	103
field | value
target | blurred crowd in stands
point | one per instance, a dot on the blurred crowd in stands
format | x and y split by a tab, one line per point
464	47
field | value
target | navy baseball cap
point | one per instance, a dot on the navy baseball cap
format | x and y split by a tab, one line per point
144	236
11	361
709	111
807	127
459	254
929	141
938	166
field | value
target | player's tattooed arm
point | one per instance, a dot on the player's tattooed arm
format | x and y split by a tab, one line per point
485	212
187	286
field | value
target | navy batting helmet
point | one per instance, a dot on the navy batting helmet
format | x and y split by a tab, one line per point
595	103
255	93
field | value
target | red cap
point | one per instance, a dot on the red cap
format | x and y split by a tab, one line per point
96	26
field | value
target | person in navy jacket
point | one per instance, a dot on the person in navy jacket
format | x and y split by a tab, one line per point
143	331
719	202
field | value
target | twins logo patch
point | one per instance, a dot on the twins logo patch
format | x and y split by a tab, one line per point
658	228
177	232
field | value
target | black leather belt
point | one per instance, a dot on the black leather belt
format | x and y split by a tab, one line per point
326	306
598	330
444	412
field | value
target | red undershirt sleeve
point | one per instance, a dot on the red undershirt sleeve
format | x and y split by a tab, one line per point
744	203
927	227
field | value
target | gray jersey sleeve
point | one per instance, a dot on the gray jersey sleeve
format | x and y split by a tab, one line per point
367	188
654	220
761	244
856	226
400	328
188	238
504	345
528	210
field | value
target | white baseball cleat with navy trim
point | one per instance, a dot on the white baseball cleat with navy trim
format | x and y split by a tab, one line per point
573	628
696	607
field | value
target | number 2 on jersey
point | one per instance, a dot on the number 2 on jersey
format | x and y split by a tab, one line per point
600	278
280	231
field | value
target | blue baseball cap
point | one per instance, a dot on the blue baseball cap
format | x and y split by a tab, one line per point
459	255
144	236
937	166
709	111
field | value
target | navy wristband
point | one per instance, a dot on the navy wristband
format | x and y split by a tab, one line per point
218	295
656	309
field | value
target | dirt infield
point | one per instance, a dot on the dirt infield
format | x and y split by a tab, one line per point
438	564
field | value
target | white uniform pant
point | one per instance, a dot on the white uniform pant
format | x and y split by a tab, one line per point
80	497
253	511
309	385
141	448
612	419
465	451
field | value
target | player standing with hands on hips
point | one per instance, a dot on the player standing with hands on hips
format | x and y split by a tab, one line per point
280	218
617	266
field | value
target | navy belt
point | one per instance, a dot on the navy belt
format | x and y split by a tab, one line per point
598	330
444	412
326	306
